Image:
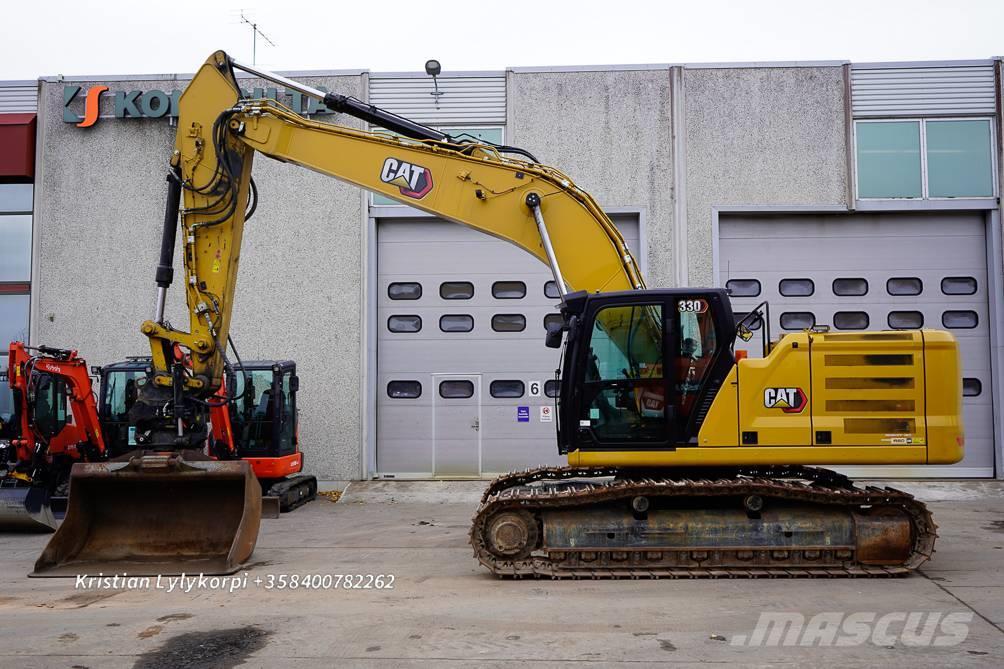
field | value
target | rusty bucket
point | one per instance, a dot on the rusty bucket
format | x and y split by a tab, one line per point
156	513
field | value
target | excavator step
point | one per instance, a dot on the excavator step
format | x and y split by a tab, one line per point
737	522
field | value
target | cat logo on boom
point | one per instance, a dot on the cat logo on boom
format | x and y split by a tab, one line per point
414	181
788	400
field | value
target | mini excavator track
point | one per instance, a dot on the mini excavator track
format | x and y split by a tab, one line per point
714	522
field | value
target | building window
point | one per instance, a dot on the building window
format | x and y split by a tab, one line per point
796	287
404	291
553	322
508	322
404	389
924	158
15	264
905	320
958	285
404	323
458	389
13	316
551	388
797	320
743	287
960	320
551	290
456	323
507	389
971	387
850	287
508	290
904	286
850	320
456	290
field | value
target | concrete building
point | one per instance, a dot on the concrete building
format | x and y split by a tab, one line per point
854	195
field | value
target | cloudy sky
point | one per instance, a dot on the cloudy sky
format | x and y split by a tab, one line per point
79	37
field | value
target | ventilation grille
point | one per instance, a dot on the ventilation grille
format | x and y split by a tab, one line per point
922	91
464	100
20	98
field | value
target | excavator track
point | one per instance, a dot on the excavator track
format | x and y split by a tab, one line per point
544	523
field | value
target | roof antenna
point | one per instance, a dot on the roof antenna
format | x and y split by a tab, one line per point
254	37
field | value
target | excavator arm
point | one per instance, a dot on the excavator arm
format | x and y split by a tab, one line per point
479	185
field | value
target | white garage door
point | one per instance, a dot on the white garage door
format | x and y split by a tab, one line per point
463	374
875	271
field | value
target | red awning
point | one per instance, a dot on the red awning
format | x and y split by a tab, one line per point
17	145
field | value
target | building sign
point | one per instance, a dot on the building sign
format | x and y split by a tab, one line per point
523	414
82	106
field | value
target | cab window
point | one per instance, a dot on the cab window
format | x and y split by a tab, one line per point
698	344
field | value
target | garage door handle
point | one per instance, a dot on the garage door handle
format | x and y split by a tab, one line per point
476	424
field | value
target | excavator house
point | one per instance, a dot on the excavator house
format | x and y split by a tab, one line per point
684	459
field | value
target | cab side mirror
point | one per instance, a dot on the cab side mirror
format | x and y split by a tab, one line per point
294	383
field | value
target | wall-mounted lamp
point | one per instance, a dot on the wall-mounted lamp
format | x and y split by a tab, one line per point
433	68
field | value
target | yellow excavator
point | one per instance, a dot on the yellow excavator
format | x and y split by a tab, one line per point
684	458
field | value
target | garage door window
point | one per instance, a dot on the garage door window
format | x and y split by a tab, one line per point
456	323
850	320
905	320
404	389
507	389
904	286
743	287
508	322
925	158
508	290
404	291
958	285
456	290
551	388
796	287
797	320
404	323
964	320
457	389
553	322
971	387
551	290
850	287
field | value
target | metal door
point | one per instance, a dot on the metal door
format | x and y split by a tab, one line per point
456	425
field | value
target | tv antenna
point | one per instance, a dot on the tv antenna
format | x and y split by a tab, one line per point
255	32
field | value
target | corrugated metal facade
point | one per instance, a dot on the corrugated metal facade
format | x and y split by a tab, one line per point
923	91
464	100
18	97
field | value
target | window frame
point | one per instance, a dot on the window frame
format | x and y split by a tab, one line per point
522	389
467	316
421	291
924	190
495	329
509	281
455	299
421	324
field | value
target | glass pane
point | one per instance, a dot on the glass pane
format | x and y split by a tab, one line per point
508	322
404	323
551	388
850	287
796	287
960	319
850	320
120	390
7	398
553	322
958	285
13	319
15	247
743	287
508	290
404	291
288	424
458	389
404	389
630	414
551	290
797	320
697	349
958	159
971	387
906	320
16	198
507	389
253	414
456	290
626	343
456	323
904	286
888	159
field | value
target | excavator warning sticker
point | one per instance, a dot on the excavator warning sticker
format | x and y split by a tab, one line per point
788	400
412	180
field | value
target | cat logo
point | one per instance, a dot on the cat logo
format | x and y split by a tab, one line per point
412	180
788	400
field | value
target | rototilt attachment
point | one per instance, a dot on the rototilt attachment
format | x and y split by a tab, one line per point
25	508
156	513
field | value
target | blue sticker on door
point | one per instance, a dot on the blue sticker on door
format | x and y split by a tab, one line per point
523	414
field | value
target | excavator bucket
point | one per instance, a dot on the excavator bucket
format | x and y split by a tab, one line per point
25	509
156	514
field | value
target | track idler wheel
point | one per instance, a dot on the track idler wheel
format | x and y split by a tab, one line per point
512	535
